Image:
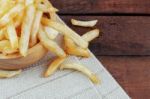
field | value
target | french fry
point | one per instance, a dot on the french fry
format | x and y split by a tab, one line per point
5	47
29	2
35	27
4	44
66	31
9	74
12	35
45	8
18	19
53	16
91	35
72	49
81	69
26	29
42	7
54	66
9	50
11	14
51	33
2	33
49	44
48	4
84	23
21	1
52	10
6	35
5	6
38	2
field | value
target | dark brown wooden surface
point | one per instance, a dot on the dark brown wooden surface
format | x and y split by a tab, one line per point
133	73
121	35
102	6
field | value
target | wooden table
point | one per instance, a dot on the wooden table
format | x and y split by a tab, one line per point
132	73
125	41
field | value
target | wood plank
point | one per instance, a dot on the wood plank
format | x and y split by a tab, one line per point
121	35
102	6
131	72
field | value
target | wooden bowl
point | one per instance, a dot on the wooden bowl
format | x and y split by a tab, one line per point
35	54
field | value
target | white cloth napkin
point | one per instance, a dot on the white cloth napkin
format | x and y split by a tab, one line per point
63	84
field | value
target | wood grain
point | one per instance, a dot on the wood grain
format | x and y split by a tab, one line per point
121	35
131	72
102	6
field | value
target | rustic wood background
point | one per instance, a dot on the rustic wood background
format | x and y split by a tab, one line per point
125	27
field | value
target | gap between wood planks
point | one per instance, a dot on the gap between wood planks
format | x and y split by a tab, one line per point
103	14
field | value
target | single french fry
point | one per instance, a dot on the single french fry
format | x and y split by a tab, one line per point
11	14
54	66
9	74
5	47
72	49
26	29
21	1
38	1
29	2
6	35
91	35
52	10
4	44
51	33
53	16
2	33
45	8
12	35
42	7
19	19
48	4
81	69
5	6
9	50
84	23
35	27
49	44
78	52
66	31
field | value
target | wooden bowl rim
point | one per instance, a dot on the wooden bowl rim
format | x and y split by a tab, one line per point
8	57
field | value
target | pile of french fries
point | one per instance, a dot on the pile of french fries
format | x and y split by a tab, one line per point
25	23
